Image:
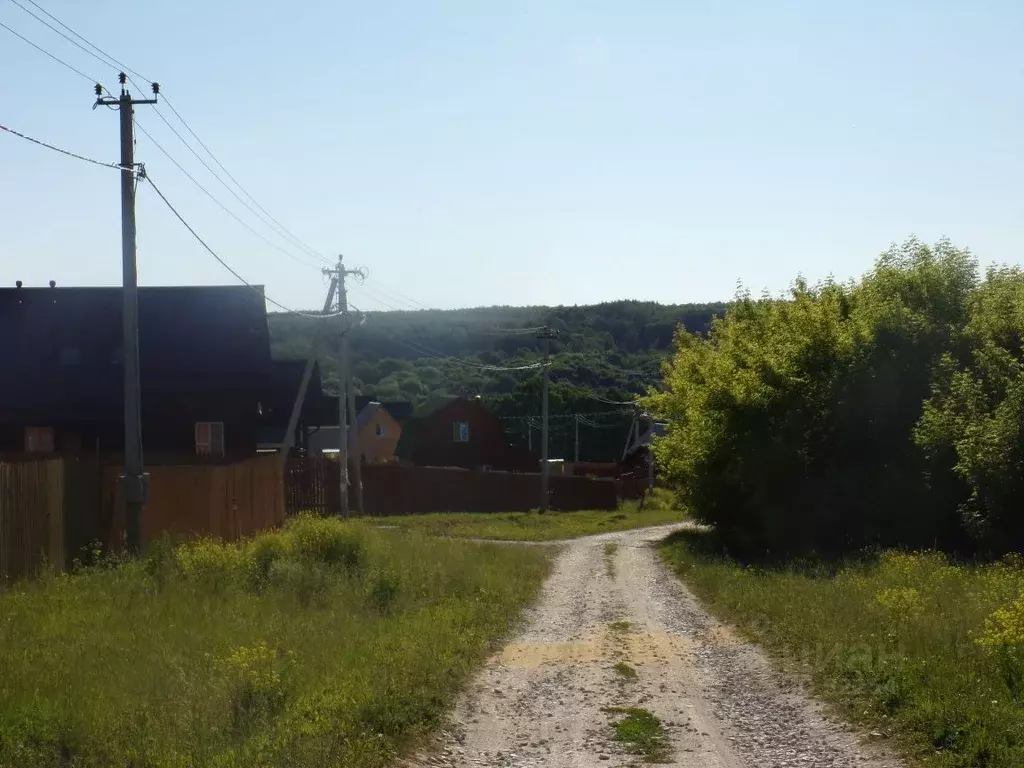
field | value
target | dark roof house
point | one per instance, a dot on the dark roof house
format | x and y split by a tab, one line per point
204	356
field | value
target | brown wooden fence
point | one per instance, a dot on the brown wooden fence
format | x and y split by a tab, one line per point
31	517
229	501
312	485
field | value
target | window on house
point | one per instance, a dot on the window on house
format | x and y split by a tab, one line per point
460	431
379	430
39	440
210	438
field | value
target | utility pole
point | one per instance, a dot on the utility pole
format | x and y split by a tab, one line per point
307	374
576	453
346	397
134	483
545	466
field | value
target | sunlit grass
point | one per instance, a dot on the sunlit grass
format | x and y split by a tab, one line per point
324	644
534	526
911	645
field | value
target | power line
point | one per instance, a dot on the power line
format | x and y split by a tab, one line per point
115	166
227	266
105	58
47	53
427	352
221	205
592	396
572	415
70	40
261	216
411	305
298	242
443	356
112	61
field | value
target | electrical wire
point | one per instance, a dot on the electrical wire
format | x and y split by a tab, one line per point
591	395
427	352
47	53
227	266
105	58
221	205
440	355
296	240
277	229
115	166
111	60
54	29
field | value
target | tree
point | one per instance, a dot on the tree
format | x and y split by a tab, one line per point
792	422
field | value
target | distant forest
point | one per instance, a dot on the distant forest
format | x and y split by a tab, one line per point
604	352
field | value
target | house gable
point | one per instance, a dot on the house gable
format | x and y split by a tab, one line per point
204	356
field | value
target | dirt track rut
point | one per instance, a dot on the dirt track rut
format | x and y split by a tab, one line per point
544	699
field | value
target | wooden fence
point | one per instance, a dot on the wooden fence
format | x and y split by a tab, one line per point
31	517
312	485
51	510
228	501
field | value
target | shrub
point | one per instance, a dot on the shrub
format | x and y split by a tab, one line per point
262	553
212	563
326	541
257	682
792	423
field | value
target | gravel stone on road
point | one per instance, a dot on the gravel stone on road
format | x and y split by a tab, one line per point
545	699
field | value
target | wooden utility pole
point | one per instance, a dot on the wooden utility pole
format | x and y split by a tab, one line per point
545	465
346	396
307	374
134	482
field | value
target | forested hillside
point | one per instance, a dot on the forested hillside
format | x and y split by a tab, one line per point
611	351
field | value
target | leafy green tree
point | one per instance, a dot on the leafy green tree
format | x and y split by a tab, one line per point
975	417
792	422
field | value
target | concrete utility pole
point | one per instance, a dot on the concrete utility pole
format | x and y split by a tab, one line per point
307	374
134	483
547	334
576	453
346	396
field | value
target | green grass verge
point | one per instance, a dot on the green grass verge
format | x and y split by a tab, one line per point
533	526
642	733
909	645
323	644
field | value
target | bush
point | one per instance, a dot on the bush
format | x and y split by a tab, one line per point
213	564
322	540
792	424
975	417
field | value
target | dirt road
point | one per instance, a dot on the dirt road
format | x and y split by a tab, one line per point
545	699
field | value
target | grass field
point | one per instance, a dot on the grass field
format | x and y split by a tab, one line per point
928	653
533	526
323	644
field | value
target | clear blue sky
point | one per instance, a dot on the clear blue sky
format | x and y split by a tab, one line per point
519	152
